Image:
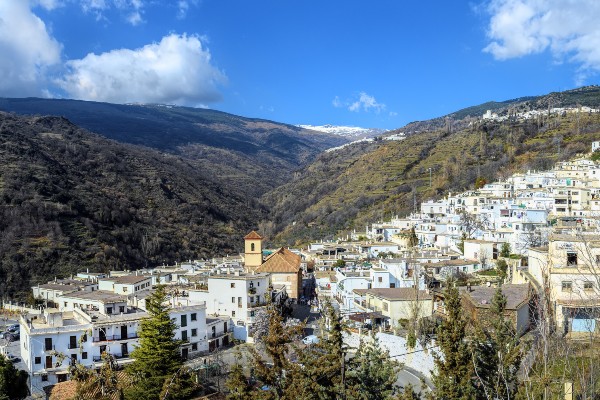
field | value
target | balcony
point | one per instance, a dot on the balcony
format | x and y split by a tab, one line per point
109	338
252	290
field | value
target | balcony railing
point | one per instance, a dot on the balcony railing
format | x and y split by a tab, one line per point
109	338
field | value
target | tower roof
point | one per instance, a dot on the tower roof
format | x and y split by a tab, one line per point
253	236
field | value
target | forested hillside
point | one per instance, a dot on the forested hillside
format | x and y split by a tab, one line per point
70	200
351	187
253	154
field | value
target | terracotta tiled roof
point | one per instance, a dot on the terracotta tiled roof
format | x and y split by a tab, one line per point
282	260
253	236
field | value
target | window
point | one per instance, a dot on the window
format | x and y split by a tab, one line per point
232	285
183	321
233	313
379	279
121	309
233	300
194	332
385	306
73	359
48	344
567	286
184	336
252	313
571	259
213	331
588	285
109	310
251	299
124	289
251	246
195	347
38	360
257	283
193	317
72	342
45	378
84	355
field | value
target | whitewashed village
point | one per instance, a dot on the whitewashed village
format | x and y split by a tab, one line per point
535	234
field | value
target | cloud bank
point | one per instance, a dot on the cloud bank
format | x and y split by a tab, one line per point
568	29
27	50
176	70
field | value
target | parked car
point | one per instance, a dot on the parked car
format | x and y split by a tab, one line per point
14	328
310	339
12	336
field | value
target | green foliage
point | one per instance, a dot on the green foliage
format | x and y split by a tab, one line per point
502	268
505	250
13	382
372	375
237	384
339	263
453	372
278	372
101	385
157	358
480	182
595	155
408	393
413	240
497	354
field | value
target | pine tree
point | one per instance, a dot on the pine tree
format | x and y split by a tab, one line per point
497	354
278	373
157	358
320	377
237	384
453	372
372	374
408	393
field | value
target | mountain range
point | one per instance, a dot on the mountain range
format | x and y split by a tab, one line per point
102	186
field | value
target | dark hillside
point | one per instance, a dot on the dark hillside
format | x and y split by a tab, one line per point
256	155
71	200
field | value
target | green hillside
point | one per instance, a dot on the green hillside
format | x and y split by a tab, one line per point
348	188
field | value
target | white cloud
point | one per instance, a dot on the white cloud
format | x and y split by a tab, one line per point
49	4
366	103
176	70
183	7
27	49
132	9
393	114
570	30
363	102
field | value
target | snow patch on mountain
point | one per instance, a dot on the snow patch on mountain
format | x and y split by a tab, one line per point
354	132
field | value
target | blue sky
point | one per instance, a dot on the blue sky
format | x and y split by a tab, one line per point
361	63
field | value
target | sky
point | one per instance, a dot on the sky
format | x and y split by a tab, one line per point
374	64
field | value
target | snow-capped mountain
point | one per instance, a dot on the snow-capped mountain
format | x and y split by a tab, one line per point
353	132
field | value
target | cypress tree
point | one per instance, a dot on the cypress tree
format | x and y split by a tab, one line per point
157	358
453	373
